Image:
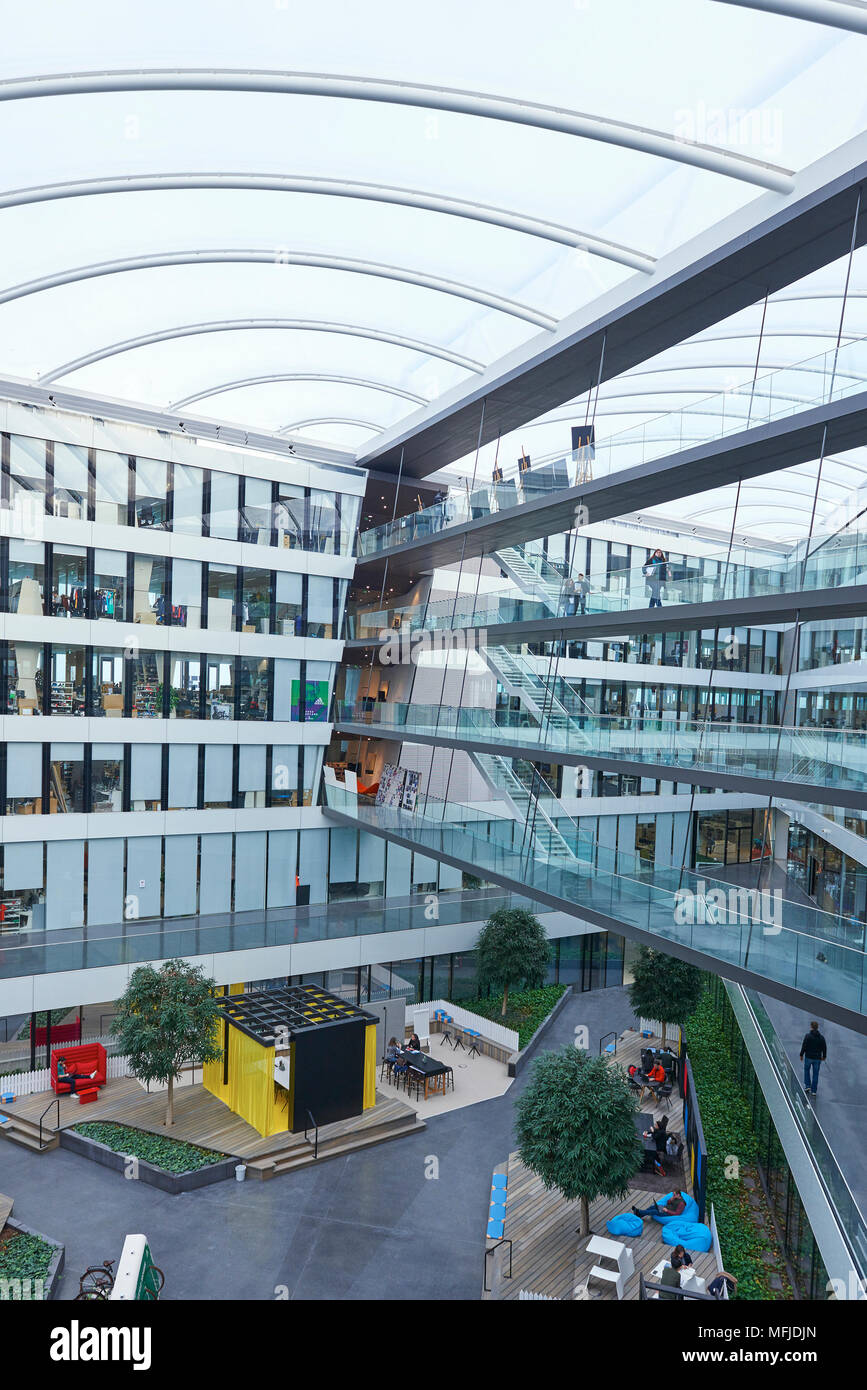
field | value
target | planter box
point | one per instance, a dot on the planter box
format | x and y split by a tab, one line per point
148	1172
51	1282
519	1060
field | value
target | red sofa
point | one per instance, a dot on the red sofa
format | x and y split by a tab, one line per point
80	1060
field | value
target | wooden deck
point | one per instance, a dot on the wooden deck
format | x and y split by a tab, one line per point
548	1255
202	1119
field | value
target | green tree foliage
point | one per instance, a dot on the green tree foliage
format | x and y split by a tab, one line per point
512	950
576	1128
664	987
167	1019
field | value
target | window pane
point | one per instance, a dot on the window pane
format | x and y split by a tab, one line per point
109	585
112	488
145	787
69	582
106	777
288	617
224	506
187	500
256	520
186	685
256	600
218	776
150	600
70	481
254	687
151	492
147	684
66	778
220	687
187	593
108	683
25	678
26	577
27	468
68	687
221	597
24	779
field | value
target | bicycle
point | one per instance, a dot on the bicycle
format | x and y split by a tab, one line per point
96	1282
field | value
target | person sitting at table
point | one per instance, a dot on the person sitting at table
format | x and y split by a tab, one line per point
683	1255
670	1277
673	1207
414	1045
392	1052
656	1073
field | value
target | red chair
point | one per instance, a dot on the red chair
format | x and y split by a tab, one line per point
80	1062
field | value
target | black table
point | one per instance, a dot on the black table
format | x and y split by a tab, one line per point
429	1067
642	1123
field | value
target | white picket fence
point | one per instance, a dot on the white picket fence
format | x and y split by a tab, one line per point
654	1026
28	1083
527	1296
494	1032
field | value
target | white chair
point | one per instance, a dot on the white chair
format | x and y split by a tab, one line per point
611	1276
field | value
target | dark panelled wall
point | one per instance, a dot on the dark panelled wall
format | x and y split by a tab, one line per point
328	1071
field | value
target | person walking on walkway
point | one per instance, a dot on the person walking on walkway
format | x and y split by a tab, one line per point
814	1050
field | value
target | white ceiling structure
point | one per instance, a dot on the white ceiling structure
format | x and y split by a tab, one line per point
317	218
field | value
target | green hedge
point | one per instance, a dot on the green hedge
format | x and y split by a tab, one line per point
24	1257
526	1012
728	1132
171	1155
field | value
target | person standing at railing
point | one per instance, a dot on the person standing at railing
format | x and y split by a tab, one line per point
656	571
567	597
582	589
814	1050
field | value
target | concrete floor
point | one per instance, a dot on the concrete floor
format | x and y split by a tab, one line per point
403	1219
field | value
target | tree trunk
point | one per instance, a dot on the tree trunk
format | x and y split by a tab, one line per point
584	1227
663	1032
505	1002
170	1103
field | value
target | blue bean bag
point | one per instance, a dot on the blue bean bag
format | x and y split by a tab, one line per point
625	1225
690	1234
689	1213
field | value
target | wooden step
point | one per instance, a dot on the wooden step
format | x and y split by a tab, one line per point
15	1130
338	1148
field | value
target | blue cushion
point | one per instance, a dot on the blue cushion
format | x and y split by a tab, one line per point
626	1224
689	1213
690	1234
495	1230
499	1180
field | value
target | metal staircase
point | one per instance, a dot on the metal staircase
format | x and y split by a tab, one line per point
553	703
535	576
520	786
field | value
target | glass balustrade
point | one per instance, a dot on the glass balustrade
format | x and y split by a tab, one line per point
775	395
833	562
830	758
789	943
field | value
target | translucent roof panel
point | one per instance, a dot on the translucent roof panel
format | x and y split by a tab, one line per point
355	248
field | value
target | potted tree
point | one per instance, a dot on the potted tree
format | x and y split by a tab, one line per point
664	987
512	949
576	1130
167	1019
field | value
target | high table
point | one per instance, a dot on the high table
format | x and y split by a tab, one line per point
433	1071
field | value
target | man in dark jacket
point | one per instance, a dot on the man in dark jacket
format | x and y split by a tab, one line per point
814	1050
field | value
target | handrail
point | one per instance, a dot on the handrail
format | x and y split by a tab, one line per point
54	1101
490	1250
828	1172
645	1284
315	1134
612	1034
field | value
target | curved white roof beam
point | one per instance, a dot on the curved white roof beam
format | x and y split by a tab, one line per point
335	188
277	377
553	118
831	12
330	420
193	330
278	256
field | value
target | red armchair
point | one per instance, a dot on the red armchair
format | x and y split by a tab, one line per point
80	1061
